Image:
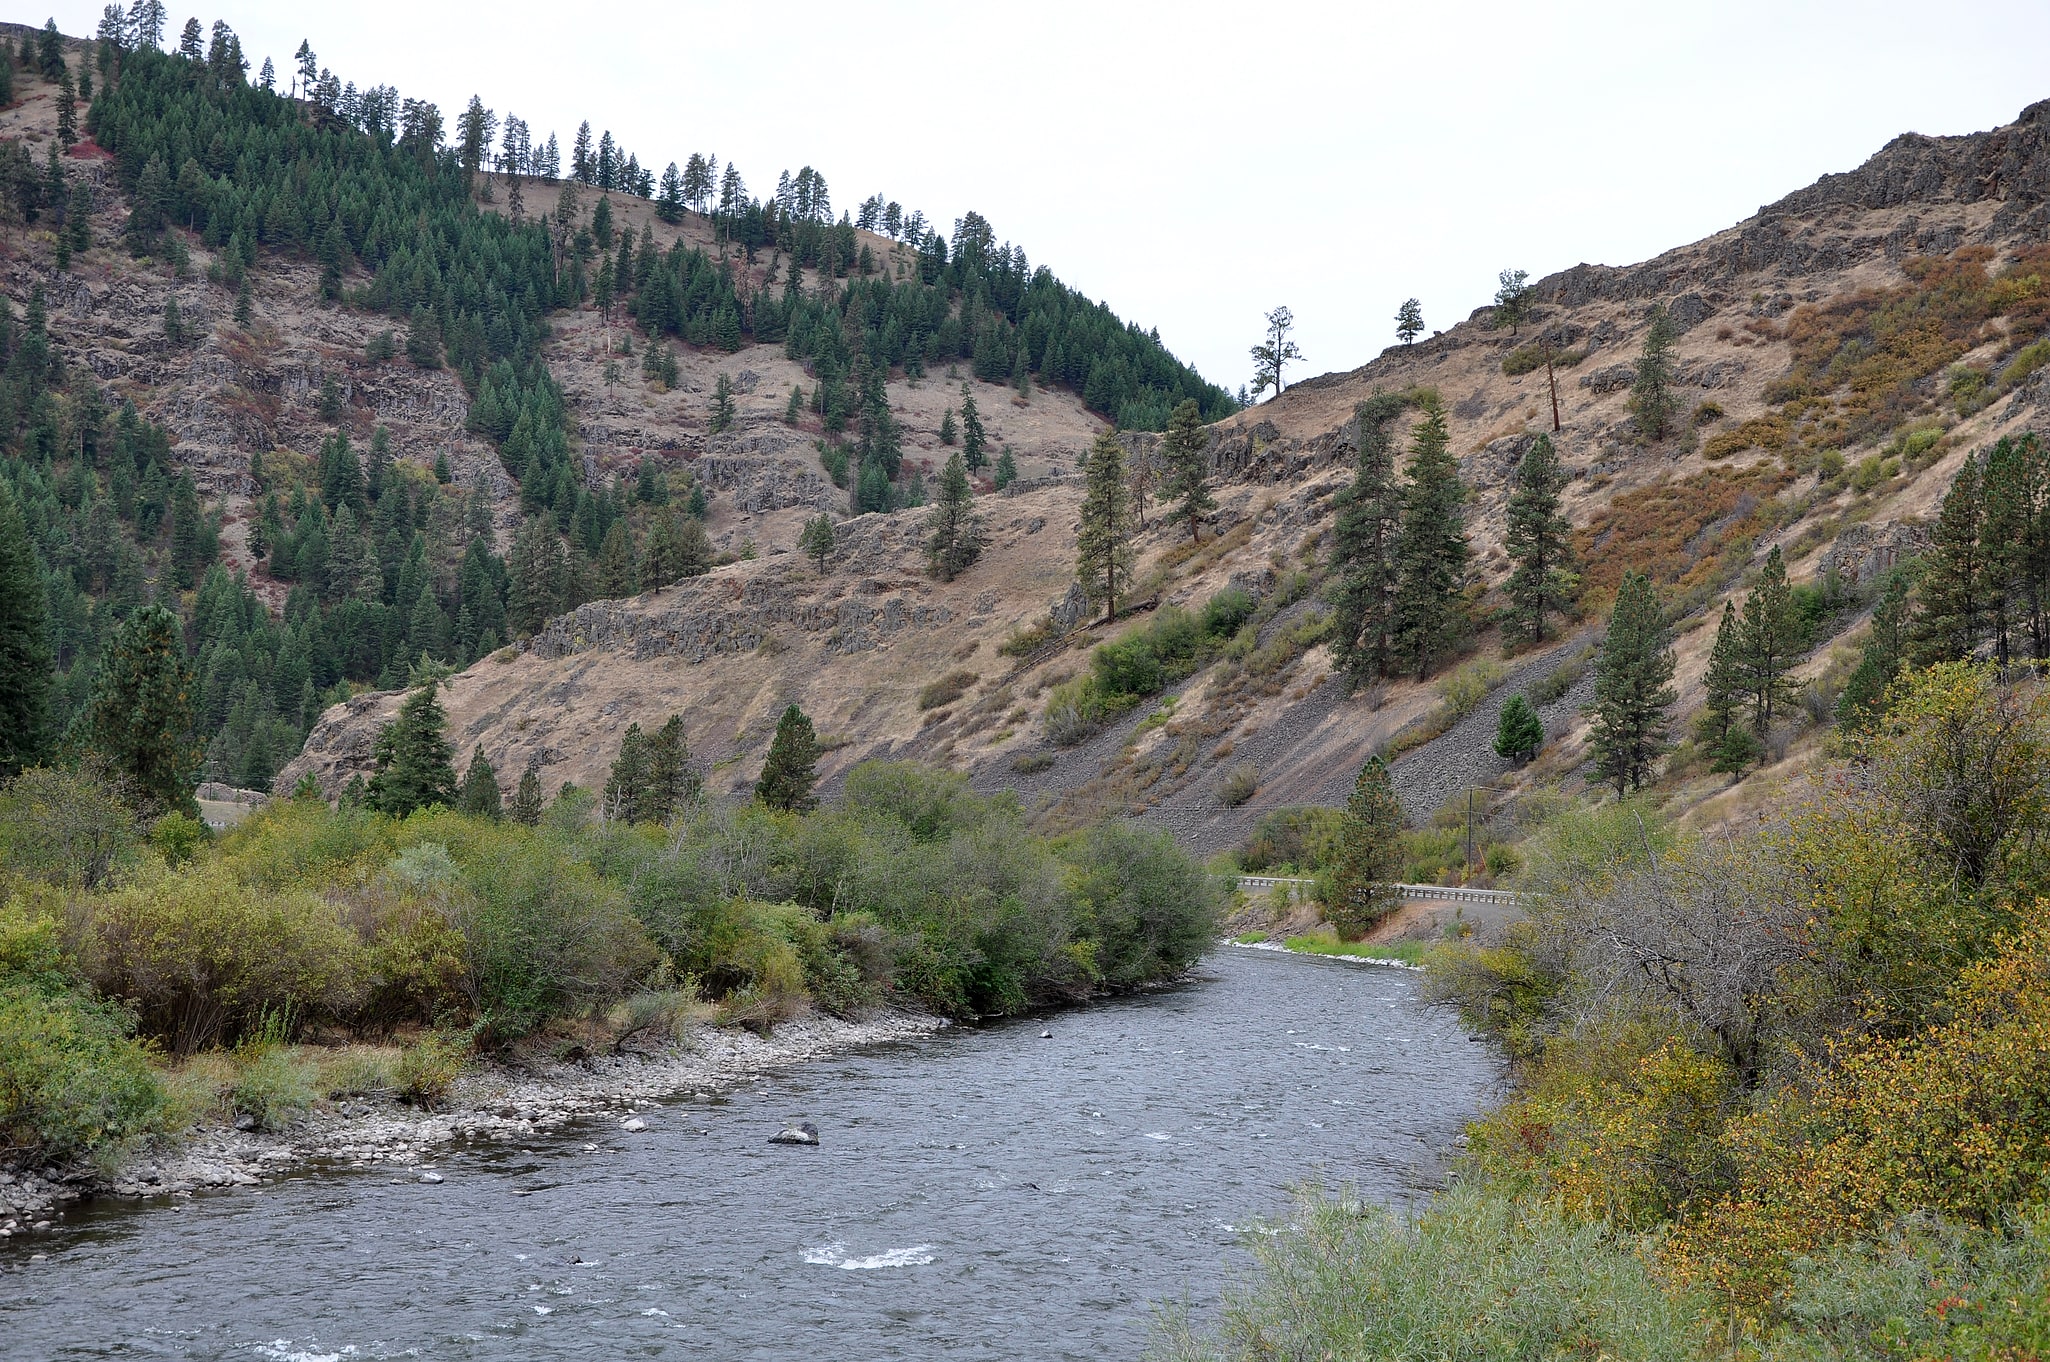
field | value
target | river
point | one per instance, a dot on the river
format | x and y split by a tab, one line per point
985	1193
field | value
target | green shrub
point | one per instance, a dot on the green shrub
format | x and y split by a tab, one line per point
1525	359
946	690
2026	361
64	827
1153	910
358	1071
1027	763
1464	689
428	1068
1707	413
1226	611
73	1082
1476	1275
928	802
178	837
1298	840
204	958
275	1086
1239	784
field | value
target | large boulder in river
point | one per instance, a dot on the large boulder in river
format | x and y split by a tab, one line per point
804	1132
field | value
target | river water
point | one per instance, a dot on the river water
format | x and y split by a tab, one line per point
981	1194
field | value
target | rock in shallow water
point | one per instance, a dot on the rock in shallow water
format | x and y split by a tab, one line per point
633	1123
804	1132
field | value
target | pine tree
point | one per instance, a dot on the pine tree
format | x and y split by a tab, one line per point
1724	680
1006	471
1632	687
626	788
1952	619
1864	695
67	110
1519	732
617	576
1103	538
974	440
414	763
538	577
1651	395
1186	448
817	541
722	404
1275	353
1409	321
672	785
954	536
1769	643
25	655
791	771
1431	555
793	410
140	719
1539	543
2010	492
1369	854
1364	540
480	797
526	801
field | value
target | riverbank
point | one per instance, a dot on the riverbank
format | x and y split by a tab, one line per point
489	1102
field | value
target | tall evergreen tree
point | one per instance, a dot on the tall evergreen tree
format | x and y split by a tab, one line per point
974	439
1723	682
25	654
1103	538
1864	694
480	796
1651	394
818	540
1369	854
953	531
1363	563
1187	451
527	803
626	788
414	763
1953	612
1409	321
537	575
1632	687
722	403
672	785
1431	557
792	770
2010	492
617	575
141	717
1519	732
1770	643
1539	542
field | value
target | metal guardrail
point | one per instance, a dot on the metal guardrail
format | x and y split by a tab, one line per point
1434	893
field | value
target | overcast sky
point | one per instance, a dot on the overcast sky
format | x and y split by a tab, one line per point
1195	164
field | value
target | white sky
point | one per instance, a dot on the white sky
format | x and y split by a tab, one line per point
1194	164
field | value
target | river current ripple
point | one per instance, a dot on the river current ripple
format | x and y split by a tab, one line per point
981	1194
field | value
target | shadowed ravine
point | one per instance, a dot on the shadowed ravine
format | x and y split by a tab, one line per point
982	1194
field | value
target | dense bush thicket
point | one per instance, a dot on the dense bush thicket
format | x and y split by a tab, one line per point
911	890
1782	1093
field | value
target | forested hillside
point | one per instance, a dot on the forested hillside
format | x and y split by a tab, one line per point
199	215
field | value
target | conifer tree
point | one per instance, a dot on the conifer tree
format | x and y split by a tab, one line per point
672	785
1519	732
1864	696
2010	490
1369	854
480	797
1769	642
527	803
67	109
722	403
974	439
1364	540
414	763
1651	395
538	576
626	789
140	719
1275	353
949	432
617	574
1409	321
1006	471
817	541
1103	538
793	410
25	655
953	538
1539	543
1952	619
791	771
1632	687
1724	680
1187	451
1431	555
